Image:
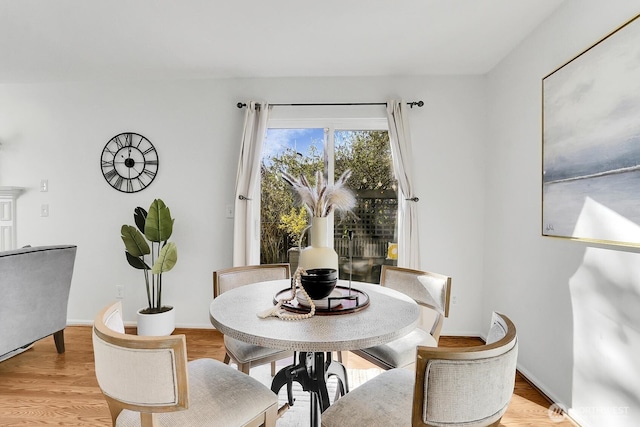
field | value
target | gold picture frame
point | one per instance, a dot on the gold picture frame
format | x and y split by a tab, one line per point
591	143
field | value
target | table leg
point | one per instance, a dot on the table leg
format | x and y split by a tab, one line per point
319	381
336	368
311	372
296	372
314	410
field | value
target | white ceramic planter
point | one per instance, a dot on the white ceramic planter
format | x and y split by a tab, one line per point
159	324
319	254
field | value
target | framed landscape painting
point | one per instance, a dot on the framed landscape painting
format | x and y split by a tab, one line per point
591	143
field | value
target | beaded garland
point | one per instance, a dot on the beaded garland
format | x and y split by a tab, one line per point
279	312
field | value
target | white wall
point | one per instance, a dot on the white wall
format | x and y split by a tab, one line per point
57	132
575	305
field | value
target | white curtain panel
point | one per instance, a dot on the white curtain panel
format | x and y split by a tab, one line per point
400	138
246	223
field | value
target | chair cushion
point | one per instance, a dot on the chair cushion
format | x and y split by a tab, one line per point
218	396
436	294
243	352
114	321
386	400
498	329
401	352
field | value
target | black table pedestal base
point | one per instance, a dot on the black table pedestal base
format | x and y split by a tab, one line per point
312	372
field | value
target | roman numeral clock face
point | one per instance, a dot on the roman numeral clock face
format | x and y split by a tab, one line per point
129	162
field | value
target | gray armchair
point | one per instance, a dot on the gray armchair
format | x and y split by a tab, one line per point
455	387
34	284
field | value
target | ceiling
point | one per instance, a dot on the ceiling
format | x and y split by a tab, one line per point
110	40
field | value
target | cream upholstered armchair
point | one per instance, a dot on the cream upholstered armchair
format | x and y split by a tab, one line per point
432	292
456	387
147	382
244	354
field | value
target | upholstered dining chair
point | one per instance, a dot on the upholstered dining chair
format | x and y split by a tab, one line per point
147	382
243	354
432	292
455	387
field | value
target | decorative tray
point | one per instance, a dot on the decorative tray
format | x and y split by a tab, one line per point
339	302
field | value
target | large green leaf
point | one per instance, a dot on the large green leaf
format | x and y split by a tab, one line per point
136	262
134	241
167	259
140	217
159	224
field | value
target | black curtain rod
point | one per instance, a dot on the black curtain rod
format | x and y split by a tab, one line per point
410	104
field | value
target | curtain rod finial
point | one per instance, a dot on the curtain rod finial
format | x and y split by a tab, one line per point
242	104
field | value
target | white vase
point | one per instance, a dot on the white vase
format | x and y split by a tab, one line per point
319	254
156	324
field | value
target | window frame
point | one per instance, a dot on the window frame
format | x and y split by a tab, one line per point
330	125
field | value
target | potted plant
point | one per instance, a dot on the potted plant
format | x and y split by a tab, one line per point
154	226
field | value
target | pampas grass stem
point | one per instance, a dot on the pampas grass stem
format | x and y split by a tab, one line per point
322	199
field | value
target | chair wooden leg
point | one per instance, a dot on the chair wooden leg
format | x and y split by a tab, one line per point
273	369
227	359
115	407
265	419
244	367
271	416
148	420
58	337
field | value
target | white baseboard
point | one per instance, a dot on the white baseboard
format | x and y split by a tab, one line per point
75	322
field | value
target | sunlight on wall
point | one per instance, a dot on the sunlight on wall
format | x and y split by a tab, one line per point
605	294
603	223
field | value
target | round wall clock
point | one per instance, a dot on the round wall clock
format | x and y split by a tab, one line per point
129	162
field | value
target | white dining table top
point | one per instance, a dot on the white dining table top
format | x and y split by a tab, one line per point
389	315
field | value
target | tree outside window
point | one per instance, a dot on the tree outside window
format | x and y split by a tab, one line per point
367	153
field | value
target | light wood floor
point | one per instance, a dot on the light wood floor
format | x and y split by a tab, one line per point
41	387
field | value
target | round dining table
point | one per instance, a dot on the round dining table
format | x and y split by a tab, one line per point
388	315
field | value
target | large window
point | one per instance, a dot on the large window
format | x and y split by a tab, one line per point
307	150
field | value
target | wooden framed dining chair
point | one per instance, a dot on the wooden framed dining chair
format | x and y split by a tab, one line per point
432	291
243	354
147	382
456	387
